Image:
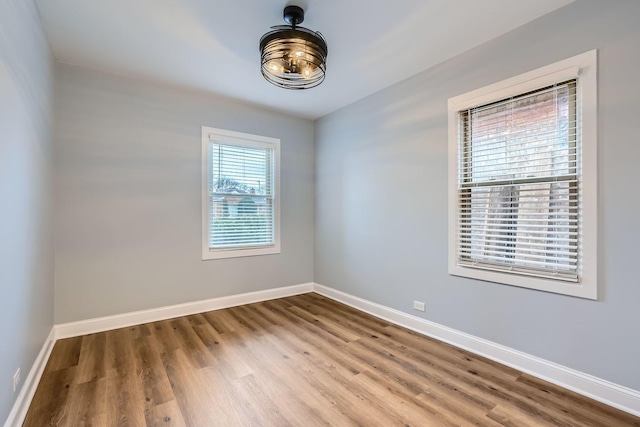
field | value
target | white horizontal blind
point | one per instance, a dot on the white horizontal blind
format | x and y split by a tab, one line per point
241	195
518	185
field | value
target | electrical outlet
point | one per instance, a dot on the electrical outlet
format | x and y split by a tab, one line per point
16	380
417	305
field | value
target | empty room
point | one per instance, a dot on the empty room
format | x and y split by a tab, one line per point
319	213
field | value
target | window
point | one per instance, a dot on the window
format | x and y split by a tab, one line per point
240	204
523	180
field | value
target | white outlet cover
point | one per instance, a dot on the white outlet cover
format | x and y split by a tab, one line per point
417	305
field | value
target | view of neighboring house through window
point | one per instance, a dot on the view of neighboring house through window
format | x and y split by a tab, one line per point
519	192
241	216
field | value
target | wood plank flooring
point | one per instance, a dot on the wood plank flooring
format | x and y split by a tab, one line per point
297	361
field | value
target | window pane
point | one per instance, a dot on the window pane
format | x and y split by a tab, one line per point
518	186
242	170
534	226
528	137
241	196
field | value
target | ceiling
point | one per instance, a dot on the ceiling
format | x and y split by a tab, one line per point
212	45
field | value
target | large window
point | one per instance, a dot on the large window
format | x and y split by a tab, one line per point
240	206
523	159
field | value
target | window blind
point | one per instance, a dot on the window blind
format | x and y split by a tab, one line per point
241	194
518	185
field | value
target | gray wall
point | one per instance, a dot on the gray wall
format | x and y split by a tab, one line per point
128	227
381	198
26	245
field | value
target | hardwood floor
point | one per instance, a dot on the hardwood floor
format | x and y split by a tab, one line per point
297	361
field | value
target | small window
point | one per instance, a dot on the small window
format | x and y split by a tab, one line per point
523	174
240	206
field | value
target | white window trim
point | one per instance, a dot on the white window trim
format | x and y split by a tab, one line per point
232	137
584	68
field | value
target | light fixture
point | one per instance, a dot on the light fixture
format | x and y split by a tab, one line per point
293	57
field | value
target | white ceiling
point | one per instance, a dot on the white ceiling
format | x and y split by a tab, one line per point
212	45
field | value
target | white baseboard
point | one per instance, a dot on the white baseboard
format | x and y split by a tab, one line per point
598	389
100	324
20	407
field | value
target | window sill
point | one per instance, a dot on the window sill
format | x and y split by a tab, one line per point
209	254
583	289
